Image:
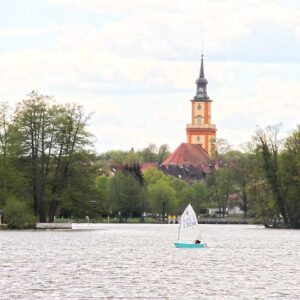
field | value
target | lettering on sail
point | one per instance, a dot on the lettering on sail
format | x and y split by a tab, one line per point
189	220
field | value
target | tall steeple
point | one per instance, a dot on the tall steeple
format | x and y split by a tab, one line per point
201	130
202	68
201	82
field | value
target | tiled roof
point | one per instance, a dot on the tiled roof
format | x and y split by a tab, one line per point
187	172
145	166
189	155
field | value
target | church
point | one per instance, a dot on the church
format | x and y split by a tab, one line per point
192	160
201	131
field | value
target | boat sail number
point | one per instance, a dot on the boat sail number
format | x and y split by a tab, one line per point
189	220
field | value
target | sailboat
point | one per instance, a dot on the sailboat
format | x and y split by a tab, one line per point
188	231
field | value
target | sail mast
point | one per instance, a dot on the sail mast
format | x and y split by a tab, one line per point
179	230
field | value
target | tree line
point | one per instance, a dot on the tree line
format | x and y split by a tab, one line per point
48	169
263	180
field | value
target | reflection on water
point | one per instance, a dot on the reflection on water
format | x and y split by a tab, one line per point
128	261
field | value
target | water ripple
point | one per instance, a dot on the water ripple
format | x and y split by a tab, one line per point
140	261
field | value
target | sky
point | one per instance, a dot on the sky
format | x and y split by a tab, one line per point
133	64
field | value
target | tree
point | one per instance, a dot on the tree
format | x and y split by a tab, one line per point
198	195
79	196
162	197
33	120
152	175
102	201
4	129
163	153
222	187
219	148
243	165
18	214
264	208
135	170
70	138
268	144
50	137
149	154
180	186
290	176
125	195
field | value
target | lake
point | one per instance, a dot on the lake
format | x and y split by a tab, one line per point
120	261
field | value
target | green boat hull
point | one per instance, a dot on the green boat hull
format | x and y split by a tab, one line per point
186	245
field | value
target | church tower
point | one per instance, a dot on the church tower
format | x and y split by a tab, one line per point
201	130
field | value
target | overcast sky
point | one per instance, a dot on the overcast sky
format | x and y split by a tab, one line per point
134	63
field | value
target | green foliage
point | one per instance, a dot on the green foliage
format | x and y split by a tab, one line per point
119	157
265	209
149	154
12	179
152	175
45	160
162	197
79	197
290	176
17	214
125	195
281	172
268	145
102	201
245	169
51	137
198	195
222	185
136	172
180	186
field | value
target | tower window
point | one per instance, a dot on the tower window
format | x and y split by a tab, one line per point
198	138
199	106
199	119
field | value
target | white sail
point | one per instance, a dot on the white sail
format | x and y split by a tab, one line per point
188	228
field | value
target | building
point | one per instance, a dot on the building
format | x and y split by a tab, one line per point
189	155
201	131
191	161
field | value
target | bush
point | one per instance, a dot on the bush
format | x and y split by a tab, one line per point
18	215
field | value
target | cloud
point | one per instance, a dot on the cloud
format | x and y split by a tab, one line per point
136	72
17	31
178	28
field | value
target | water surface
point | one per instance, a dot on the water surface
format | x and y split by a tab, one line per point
139	261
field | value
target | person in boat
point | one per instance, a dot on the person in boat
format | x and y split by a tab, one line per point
197	242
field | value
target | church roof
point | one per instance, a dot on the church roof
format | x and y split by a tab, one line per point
189	155
188	173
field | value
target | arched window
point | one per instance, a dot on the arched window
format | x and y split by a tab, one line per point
199	106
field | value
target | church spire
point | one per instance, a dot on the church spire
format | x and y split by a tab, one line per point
201	82
201	131
202	68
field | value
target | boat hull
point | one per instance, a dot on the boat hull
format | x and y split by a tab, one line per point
186	245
